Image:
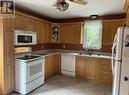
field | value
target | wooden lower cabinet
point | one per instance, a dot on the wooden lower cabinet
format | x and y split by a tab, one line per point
94	68
104	70
9	77
52	65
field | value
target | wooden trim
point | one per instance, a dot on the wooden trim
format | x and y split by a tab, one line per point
81	19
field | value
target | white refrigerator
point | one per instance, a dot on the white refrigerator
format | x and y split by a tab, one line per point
120	62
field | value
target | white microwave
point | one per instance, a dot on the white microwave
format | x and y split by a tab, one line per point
25	37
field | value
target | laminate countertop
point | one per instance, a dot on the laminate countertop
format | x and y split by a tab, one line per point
74	53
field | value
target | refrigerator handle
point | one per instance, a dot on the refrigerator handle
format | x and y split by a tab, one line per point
113	52
113	62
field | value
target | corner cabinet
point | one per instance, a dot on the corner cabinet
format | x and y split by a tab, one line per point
7	55
71	33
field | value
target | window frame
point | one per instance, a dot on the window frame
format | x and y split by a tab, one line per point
100	37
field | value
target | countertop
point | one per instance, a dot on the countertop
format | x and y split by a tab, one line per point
72	52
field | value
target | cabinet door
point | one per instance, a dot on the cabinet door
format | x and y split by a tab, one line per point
76	31
30	23
79	67
110	29
20	22
9	24
86	68
104	70
9	77
62	33
41	29
90	66
49	33
8	46
52	65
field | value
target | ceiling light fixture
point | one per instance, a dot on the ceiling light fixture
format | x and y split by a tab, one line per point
62	5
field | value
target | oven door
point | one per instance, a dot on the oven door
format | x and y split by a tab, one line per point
34	69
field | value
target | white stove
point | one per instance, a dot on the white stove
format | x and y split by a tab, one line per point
29	73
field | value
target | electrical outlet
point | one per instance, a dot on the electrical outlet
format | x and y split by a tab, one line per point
63	46
42	47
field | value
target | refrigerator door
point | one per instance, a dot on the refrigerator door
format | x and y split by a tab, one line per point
116	60
124	83
116	78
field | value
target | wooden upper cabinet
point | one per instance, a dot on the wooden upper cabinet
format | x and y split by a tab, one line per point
30	24
49	33
9	24
71	33
62	33
20	22
43	30
109	30
8	46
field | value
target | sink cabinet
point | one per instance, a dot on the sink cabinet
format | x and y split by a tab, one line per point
94	68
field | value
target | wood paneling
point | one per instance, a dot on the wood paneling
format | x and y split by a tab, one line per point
52	65
94	68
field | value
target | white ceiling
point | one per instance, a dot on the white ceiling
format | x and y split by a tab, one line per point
99	7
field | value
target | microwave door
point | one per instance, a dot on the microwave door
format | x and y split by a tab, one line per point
24	39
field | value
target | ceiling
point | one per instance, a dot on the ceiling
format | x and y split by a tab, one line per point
94	7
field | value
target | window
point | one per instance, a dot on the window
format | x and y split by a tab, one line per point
92	35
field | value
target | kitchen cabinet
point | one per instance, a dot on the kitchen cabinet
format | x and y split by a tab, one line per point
104	70
52	65
6	56
43	30
68	65
9	24
86	68
49	33
30	23
9	77
71	33
20	22
94	68
109	30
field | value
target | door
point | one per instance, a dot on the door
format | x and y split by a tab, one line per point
116	60
124	84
